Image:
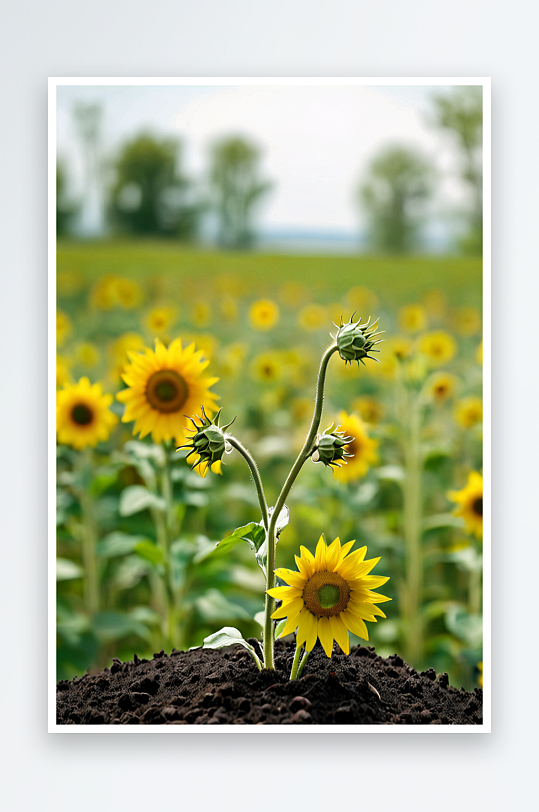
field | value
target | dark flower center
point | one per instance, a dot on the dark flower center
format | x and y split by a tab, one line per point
326	594
477	506
82	414
166	391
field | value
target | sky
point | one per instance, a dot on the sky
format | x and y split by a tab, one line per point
316	140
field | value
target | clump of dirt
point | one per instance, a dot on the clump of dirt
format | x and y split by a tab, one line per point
207	687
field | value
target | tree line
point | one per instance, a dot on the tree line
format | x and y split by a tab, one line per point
148	193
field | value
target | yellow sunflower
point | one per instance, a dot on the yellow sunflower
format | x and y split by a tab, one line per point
331	595
63	375
64	327
267	366
467	321
160	319
87	354
362	299
163	386
470	503
128	293
369	409
313	317
362	448
479	354
469	412
263	314
441	387
83	417
439	347
412	318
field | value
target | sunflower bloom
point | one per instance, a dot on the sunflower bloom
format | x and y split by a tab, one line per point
83	417
439	347
160	319
64	328
469	412
362	448
163	386
470	503
331	595
263	314
441	387
412	318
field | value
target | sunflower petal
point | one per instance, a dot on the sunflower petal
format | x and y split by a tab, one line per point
288	609
355	624
340	633
325	635
333	553
293	578
284	593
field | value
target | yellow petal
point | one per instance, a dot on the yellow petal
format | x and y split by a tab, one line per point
355	624
325	635
291	624
320	557
345	550
293	578
284	593
332	555
294	607
340	633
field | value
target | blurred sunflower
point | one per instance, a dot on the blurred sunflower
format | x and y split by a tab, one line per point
159	320
441	386
331	595
434	302
312	317
369	409
439	347
103	295
467	321
117	351
83	417
69	281
63	375
128	293
64	328
231	359
200	314
470	503
163	386
479	354
412	318
293	294
469	412
87	354
362	448
362	299
263	314
228	308
267	366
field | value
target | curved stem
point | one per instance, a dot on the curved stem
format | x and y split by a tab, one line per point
302	663
255	473
295	664
296	468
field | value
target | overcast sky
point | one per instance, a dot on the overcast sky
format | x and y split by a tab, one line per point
316	141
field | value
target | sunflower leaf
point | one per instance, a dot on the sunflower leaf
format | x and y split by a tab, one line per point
136	498
253	533
229	636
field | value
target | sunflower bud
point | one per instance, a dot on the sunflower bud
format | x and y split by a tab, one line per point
329	447
209	441
355	340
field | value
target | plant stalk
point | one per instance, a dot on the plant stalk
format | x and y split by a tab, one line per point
295	664
255	473
89	536
304	454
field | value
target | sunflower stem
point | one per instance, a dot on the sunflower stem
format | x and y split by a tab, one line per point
303	455
255	473
164	524
295	664
302	663
89	535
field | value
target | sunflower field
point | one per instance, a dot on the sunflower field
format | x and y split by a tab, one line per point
148	333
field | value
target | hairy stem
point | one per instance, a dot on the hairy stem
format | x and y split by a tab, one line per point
295	664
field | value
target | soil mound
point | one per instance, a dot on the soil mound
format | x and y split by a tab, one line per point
207	687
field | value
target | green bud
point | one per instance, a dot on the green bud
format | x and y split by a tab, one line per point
355	340
329	447
209	441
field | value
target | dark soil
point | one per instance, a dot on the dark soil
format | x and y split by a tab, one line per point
207	687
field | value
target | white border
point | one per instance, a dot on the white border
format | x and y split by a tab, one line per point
53	83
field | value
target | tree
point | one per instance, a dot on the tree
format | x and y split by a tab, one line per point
235	190
398	184
150	196
461	113
65	208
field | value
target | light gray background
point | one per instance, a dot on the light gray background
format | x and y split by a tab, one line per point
250	38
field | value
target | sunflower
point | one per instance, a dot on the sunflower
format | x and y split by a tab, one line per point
469	412
87	354
266	366
63	375
83	417
128	293
362	448
412	318
369	409
64	327
467	321
160	319
441	387
470	503
312	317
439	347
362	299
329	596
263	314
127	342
163	386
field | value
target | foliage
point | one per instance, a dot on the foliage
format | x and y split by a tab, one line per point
236	190
398	184
150	195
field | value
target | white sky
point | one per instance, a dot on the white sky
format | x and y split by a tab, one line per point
316	140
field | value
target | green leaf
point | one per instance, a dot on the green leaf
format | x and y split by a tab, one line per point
148	551
467	627
66	570
229	636
253	533
116	544
135	498
110	626
214	606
